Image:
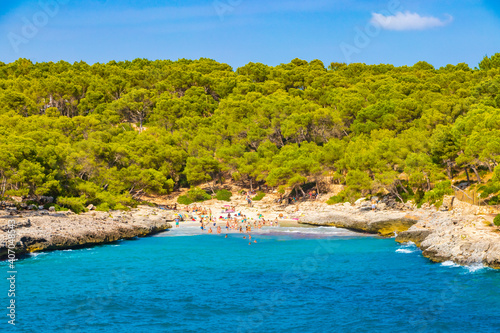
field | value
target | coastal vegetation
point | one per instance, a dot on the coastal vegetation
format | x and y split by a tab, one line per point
259	196
107	134
496	220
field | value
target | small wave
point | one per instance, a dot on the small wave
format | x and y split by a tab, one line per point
409	247
473	268
449	263
404	251
470	269
69	250
37	254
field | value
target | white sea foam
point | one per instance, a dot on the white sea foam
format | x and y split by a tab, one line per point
36	254
409	247
476	267
449	263
469	269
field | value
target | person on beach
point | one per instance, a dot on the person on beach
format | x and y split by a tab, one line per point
210	231
177	222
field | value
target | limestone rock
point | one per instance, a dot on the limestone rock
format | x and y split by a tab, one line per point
42	231
416	236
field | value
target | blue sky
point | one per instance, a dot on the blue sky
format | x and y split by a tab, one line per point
399	32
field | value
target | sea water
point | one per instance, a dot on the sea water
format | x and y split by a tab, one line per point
291	280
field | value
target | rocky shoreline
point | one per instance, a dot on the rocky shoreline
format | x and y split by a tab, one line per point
460	233
450	236
384	223
44	231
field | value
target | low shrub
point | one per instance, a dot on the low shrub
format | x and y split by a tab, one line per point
346	195
335	200
184	200
104	207
436	195
496	221
259	196
223	195
495	200
60	209
195	194
75	204
119	206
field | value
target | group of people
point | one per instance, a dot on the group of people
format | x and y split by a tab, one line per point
234	222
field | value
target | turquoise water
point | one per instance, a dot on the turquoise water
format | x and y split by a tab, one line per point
290	281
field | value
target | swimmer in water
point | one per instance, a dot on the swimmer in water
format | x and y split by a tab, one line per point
226	236
255	241
244	237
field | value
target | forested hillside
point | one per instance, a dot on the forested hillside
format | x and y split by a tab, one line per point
108	133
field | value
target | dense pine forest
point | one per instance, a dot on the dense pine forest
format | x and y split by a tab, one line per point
106	134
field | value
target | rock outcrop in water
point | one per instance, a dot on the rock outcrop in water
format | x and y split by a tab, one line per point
41	230
386	223
451	236
463	234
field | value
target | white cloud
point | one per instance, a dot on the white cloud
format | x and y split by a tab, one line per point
408	21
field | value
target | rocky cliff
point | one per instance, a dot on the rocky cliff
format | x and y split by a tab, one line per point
462	233
41	230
